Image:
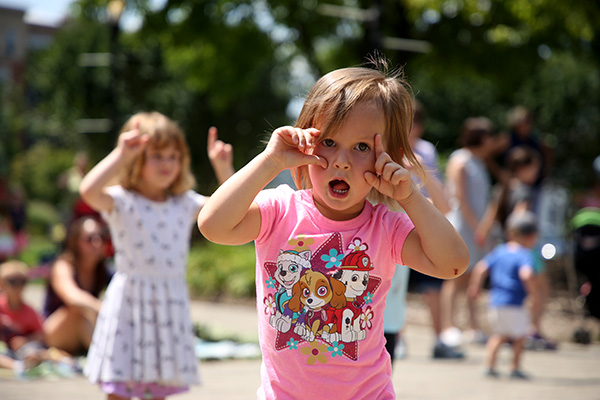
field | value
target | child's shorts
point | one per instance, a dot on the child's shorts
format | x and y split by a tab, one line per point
512	322
142	390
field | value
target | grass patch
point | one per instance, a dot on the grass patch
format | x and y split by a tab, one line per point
217	272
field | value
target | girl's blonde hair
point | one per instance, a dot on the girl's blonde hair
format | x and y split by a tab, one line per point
163	132
331	99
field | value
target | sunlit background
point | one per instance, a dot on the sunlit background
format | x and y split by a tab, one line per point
72	71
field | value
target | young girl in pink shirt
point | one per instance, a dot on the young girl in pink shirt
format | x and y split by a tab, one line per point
326	254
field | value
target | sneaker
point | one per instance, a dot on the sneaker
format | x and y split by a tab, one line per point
441	351
491	373
517	374
538	342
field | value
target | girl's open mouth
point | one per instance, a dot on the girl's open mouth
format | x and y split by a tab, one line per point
339	187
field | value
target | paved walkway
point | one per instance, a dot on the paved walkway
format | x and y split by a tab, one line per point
571	372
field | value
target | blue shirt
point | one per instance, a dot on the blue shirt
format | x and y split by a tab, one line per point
504	264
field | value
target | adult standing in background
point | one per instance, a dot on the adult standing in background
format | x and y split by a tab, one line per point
469	184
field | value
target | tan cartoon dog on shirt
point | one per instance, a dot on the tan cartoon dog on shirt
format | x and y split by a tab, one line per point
315	293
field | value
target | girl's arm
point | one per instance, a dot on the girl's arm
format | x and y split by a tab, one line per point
433	247
92	186
220	155
231	216
63	282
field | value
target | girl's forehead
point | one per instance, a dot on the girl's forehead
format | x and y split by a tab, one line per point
165	146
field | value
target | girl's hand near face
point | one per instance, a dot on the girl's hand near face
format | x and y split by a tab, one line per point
132	143
390	178
291	147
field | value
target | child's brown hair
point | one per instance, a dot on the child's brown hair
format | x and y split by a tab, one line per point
333	97
163	132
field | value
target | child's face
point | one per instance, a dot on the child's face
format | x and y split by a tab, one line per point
340	189
162	167
528	174
13	284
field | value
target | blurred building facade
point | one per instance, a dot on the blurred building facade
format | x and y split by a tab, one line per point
17	39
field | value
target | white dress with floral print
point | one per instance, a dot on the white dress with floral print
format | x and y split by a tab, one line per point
144	331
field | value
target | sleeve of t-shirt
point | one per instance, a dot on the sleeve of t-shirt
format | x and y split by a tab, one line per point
196	201
272	206
118	194
491	257
527	261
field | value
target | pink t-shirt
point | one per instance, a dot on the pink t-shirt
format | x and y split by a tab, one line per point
321	289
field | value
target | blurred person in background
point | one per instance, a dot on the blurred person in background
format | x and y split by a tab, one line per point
518	194
512	279
428	286
469	185
20	325
77	279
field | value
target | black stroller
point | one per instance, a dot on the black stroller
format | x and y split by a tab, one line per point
586	227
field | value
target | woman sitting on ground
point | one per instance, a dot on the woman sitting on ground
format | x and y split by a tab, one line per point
78	277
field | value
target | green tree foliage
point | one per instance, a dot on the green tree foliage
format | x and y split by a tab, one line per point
236	64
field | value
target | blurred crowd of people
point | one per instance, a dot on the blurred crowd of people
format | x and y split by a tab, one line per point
492	178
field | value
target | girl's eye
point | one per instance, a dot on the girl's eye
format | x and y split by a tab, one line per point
362	147
328	143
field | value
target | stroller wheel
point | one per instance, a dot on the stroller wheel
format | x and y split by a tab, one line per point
582	336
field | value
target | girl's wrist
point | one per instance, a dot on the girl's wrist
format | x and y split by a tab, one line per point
269	163
407	200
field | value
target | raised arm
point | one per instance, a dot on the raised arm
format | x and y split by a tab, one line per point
434	247
220	155
230	216
92	188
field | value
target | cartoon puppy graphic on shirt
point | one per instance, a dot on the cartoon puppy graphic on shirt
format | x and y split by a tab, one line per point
354	274
315	293
290	265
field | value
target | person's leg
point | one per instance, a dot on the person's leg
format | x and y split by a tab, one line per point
63	329
433	300
448	298
7	362
518	346
492	348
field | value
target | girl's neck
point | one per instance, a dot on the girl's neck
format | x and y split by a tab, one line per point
152	194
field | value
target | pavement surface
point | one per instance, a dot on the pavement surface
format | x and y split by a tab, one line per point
572	371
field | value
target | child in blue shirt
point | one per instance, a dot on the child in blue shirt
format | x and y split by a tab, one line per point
511	272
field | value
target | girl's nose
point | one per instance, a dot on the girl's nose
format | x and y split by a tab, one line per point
341	161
